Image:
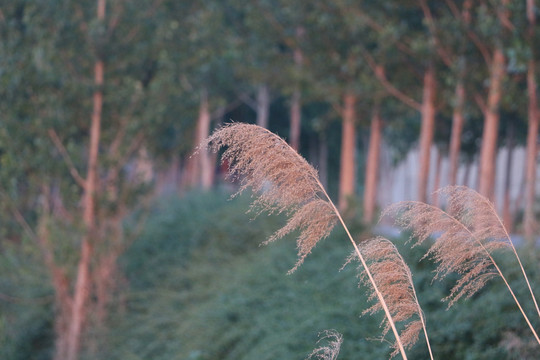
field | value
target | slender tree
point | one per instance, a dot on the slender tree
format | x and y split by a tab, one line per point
82	283
420	60
347	171
372	165
532	137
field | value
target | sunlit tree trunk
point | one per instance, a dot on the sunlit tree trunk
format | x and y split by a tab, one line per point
491	123
82	283
532	135
458	121
427	131
372	166
347	176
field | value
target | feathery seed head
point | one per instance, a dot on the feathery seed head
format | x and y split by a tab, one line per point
394	280
330	351
466	236
282	179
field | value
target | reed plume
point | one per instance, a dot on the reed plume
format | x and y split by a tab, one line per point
394	280
285	183
283	180
330	351
468	234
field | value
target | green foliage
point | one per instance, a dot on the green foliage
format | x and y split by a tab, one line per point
202	288
26	304
201	284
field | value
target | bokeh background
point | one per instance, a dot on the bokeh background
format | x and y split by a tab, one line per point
117	241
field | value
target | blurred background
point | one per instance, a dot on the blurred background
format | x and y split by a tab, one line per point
118	242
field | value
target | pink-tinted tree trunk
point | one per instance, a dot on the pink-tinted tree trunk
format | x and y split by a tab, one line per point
427	131
532	135
438	175
347	173
508	216
491	124
203	131
372	166
83	283
458	121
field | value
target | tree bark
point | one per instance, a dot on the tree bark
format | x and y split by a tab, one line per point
372	166
296	119
83	284
491	124
467	174
438	175
296	100
458	121
532	135
347	176
323	160
205	168
508	216
427	131
263	105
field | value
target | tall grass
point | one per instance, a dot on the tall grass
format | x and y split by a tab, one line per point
468	233
285	182
220	296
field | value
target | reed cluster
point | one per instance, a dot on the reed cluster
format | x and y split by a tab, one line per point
464	236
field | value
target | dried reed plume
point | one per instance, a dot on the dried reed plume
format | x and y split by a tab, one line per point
468	233
330	351
394	279
284	182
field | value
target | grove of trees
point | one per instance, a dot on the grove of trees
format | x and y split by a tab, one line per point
101	100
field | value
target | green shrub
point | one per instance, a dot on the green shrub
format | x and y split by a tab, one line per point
219	295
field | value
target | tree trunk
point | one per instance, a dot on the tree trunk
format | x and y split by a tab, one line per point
372	166
263	105
347	177
491	124
467	174
83	285
437	184
532	135
205	168
427	131
457	128
296	100
323	160
296	119
508	216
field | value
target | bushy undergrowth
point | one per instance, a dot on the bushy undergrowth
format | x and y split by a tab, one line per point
201	287
26	304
